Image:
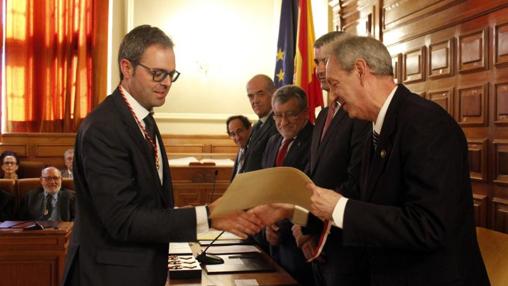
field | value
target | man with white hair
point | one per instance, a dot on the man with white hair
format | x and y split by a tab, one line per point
50	202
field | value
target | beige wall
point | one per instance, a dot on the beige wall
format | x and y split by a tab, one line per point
220	44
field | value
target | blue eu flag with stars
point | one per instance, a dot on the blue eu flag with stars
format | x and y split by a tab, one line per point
284	66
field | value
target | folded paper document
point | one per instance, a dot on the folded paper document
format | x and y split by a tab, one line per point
272	185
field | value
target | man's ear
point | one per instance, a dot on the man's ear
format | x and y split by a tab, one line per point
126	68
361	68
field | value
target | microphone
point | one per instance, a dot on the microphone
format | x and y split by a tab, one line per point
214	182
203	257
207	258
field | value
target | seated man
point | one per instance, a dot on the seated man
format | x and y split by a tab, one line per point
68	159
238	127
50	202
6	206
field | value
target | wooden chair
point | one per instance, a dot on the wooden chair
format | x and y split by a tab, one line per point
30	169
494	249
8	185
68	184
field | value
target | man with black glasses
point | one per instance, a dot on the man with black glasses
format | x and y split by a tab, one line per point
123	184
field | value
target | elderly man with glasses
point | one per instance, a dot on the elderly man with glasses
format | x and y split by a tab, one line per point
50	202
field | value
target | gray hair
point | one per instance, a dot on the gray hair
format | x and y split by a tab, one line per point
328	38
68	151
376	55
287	92
138	40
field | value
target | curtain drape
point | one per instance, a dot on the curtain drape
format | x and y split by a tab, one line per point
48	64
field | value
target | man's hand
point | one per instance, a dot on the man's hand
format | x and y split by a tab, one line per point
272	234
272	213
323	201
239	223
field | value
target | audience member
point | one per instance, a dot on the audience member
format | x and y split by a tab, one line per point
50	202
259	90
290	147
68	159
10	165
239	129
414	217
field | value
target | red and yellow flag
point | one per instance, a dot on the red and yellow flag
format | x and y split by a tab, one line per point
305	69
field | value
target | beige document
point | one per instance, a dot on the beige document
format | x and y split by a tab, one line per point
272	185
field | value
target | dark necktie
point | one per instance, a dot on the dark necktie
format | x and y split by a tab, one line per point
375	140
241	159
329	118
283	152
49	207
150	125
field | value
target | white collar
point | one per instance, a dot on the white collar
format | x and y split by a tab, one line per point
378	125
137	108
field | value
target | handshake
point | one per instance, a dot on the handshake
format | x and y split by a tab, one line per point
250	222
245	223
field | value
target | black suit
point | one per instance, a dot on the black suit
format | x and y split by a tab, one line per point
415	214
125	217
257	144
335	164
287	254
32	206
6	206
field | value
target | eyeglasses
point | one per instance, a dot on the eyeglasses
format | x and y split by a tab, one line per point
287	115
159	75
9	163
50	178
237	132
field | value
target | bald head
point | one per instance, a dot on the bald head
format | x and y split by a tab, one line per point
260	89
51	180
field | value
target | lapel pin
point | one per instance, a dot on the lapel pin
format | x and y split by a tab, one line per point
382	154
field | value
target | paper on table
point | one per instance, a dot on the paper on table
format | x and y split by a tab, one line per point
271	185
225	249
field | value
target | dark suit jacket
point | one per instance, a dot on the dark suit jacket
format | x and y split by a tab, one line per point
6	206
335	164
32	206
126	218
257	144
287	254
415	214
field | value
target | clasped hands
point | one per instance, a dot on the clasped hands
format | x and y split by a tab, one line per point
245	223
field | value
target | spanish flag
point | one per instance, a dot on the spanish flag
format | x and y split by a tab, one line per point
305	70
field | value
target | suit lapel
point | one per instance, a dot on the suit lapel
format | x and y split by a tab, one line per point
320	122
322	145
379	158
143	146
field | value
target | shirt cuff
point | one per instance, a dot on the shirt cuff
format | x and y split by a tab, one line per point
338	212
201	219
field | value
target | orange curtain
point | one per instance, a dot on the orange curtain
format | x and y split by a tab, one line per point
48	64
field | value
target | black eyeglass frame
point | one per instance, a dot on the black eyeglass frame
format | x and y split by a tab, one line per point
173	75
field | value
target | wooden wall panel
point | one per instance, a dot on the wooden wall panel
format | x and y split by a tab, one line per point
441	59
480	209
501	103
477	149
443	97
414	66
472	105
473	51
501	45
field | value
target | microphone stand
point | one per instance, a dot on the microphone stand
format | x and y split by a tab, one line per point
203	257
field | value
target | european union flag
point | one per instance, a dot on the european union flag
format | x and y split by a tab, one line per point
284	67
